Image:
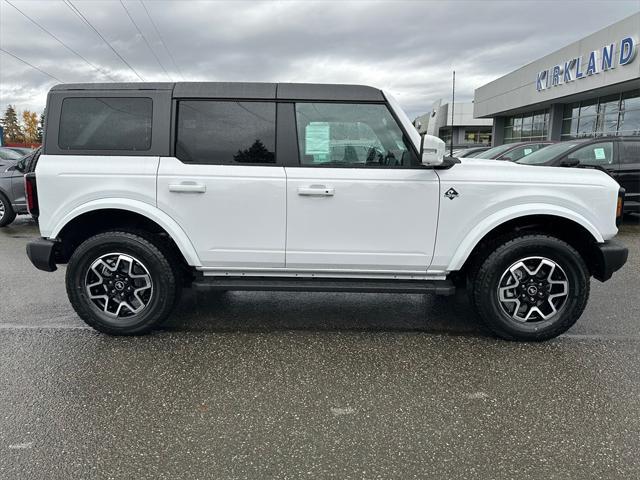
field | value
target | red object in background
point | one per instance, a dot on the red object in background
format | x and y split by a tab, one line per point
24	145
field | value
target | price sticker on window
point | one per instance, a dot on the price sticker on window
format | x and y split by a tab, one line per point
316	138
599	153
527	151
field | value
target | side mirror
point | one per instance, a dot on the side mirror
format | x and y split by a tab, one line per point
570	162
432	151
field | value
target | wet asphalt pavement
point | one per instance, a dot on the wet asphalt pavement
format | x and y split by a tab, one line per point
314	385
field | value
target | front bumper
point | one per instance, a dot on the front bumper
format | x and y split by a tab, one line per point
42	253
611	256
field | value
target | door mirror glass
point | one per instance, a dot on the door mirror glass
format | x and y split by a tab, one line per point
432	150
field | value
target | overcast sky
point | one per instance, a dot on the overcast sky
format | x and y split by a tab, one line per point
407	47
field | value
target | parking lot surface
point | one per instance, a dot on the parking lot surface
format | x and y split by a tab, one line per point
314	385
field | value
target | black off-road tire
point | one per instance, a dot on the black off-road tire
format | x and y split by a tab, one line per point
485	278
9	214
164	274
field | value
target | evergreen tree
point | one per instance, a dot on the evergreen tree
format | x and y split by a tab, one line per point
12	129
40	127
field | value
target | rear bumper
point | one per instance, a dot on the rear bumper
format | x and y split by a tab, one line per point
42	253
612	256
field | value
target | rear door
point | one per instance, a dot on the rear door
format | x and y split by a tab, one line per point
358	201
224	185
629	171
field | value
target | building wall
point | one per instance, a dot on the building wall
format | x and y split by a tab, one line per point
520	89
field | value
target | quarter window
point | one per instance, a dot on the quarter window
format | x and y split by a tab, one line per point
105	123
350	135
228	133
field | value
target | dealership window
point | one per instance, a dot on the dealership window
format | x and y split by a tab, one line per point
617	114
105	123
477	135
227	133
526	127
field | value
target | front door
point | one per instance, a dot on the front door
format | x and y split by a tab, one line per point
224	187
358	202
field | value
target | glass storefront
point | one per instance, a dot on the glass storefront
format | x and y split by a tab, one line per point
526	127
617	114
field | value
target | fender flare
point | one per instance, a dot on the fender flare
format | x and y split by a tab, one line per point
144	209
476	234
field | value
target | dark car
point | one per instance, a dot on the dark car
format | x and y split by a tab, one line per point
513	151
619	156
470	152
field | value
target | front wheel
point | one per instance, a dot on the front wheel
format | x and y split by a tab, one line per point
531	288
121	283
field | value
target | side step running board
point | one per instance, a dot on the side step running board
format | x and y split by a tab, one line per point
438	287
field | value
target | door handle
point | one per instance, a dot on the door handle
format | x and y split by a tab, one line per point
316	191
186	187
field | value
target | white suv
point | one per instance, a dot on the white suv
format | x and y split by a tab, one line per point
143	189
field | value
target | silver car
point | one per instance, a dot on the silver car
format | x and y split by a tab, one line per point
12	197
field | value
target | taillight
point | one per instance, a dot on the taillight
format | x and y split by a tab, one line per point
31	191
620	206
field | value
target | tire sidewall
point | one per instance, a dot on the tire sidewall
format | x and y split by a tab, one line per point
163	283
9	214
559	252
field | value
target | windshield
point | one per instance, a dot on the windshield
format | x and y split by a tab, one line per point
546	154
495	151
7	154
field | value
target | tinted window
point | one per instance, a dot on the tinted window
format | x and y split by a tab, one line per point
520	152
105	124
594	154
630	151
216	132
351	135
547	154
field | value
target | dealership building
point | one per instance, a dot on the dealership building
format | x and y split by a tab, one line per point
447	119
588	88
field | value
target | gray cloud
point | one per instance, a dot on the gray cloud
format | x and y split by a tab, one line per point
407	47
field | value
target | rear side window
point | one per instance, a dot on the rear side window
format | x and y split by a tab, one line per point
226	133
105	123
630	151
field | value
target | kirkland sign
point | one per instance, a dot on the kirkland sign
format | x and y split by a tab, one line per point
597	61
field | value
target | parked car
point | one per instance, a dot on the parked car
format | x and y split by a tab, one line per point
143	189
12	196
8	155
619	156
513	151
22	151
470	152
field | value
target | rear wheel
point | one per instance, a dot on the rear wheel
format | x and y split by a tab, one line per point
7	214
531	288
122	283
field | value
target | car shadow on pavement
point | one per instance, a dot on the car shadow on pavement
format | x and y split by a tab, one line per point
273	311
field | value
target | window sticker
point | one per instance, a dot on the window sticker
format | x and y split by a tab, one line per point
317	135
527	151
599	153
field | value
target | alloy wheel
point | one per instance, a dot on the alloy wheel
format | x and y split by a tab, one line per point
119	285
533	289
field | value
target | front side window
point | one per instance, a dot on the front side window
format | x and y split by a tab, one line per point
105	123
594	154
350	135
226	133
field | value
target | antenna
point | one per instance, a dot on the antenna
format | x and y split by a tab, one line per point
453	106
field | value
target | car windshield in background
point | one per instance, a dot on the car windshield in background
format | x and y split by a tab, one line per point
476	154
8	154
495	151
544	155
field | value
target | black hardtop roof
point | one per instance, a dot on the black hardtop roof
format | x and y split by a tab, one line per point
244	90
